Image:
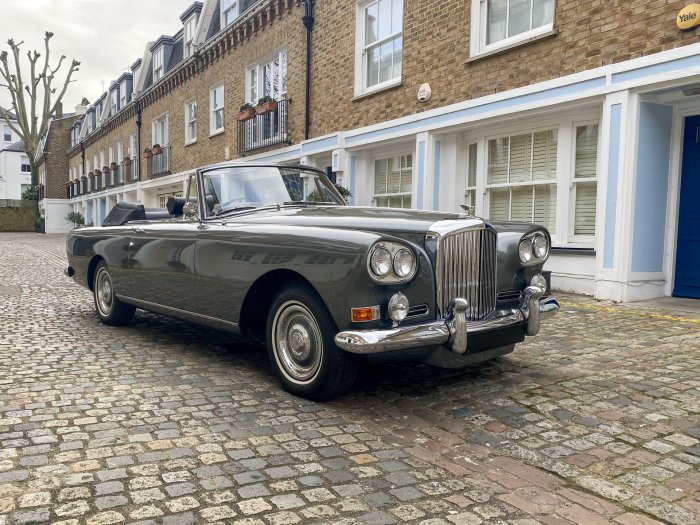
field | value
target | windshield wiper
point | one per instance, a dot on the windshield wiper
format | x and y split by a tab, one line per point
236	208
310	203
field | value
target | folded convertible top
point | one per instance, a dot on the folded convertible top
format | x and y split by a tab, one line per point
124	212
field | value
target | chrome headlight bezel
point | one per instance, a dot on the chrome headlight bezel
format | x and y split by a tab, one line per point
531	245
392	277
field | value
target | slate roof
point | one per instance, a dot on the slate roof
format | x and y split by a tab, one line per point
17	147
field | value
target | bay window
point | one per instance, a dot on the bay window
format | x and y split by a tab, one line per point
379	45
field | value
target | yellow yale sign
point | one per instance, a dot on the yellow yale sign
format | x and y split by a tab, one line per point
689	17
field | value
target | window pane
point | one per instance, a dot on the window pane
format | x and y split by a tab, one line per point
521	204
546	206
518	17
397	16
586	151
406	201
385	66
498	161
520	151
406	180
584	222
544	156
283	72
254	85
471	172
380	176
384	22
373	66
394	179
542	12
382	202
498	204
496	20
398	53
371	24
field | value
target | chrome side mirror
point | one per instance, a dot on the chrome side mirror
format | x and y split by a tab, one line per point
190	210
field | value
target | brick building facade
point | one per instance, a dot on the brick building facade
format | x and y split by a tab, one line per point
570	114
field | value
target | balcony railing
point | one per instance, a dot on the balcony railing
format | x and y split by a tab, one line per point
159	165
263	131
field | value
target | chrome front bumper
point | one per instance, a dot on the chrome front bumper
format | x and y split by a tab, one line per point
453	331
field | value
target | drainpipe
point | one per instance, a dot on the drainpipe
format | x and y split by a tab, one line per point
82	161
138	140
308	20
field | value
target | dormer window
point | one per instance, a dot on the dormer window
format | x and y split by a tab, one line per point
229	12
115	101
188	36
158	64
122	94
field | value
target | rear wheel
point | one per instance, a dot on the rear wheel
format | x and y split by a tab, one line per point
301	348
110	309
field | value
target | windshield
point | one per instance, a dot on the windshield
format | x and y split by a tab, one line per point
242	187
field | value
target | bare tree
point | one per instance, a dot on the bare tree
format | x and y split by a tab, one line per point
35	101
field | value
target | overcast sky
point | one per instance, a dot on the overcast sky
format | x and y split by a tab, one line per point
106	36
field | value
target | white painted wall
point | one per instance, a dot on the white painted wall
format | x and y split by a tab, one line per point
11	176
54	211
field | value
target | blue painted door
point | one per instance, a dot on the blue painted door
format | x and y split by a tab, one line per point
688	248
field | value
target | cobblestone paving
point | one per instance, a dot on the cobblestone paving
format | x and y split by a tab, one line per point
594	421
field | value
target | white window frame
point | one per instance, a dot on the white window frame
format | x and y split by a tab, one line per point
573	181
114	100
165	140
396	151
190	139
132	146
565	124
212	90
158	64
22	164
190	26
361	52
257	70
6	128
234	9
479	21
122	95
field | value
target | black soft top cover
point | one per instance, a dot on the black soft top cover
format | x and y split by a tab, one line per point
124	212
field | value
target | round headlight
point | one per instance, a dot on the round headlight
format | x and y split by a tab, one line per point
525	250
380	262
398	307
404	263
540	246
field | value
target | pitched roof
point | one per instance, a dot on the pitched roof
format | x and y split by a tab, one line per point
10	114
16	147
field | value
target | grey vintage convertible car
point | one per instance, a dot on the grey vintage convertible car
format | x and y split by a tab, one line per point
273	253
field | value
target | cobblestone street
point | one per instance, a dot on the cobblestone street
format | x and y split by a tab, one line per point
596	420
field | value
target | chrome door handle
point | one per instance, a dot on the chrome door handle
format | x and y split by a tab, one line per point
138	230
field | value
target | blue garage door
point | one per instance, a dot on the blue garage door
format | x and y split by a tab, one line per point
688	248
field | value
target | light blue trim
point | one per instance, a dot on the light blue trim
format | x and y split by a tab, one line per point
353	169
296	152
611	197
318	145
421	175
651	188
436	177
506	104
678	64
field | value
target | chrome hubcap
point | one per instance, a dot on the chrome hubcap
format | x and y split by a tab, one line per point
298	345
103	290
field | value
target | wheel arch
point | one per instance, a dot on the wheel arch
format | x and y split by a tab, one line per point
91	270
258	299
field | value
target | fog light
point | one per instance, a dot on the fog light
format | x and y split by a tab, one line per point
539	281
398	307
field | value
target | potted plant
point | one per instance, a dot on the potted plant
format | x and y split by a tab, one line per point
266	105
148	153
126	161
156	149
246	112
113	165
98	173
105	169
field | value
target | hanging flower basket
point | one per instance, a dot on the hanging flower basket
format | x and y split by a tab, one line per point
247	114
126	161
105	169
266	105
156	149
148	153
113	165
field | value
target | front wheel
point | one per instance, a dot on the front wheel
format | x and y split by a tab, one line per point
110	309
300	345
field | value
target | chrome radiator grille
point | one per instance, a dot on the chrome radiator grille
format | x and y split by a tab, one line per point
466	268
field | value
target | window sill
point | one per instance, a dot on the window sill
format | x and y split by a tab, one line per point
189	143
217	132
511	46
374	91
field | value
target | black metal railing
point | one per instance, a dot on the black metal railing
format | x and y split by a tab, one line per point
265	130
159	165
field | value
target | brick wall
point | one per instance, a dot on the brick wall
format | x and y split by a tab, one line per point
54	162
17	215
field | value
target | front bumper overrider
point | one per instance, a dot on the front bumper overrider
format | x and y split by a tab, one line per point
453	331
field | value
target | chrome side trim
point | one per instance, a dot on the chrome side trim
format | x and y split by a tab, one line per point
440	332
177	312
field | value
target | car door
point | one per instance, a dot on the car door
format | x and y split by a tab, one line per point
161	263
